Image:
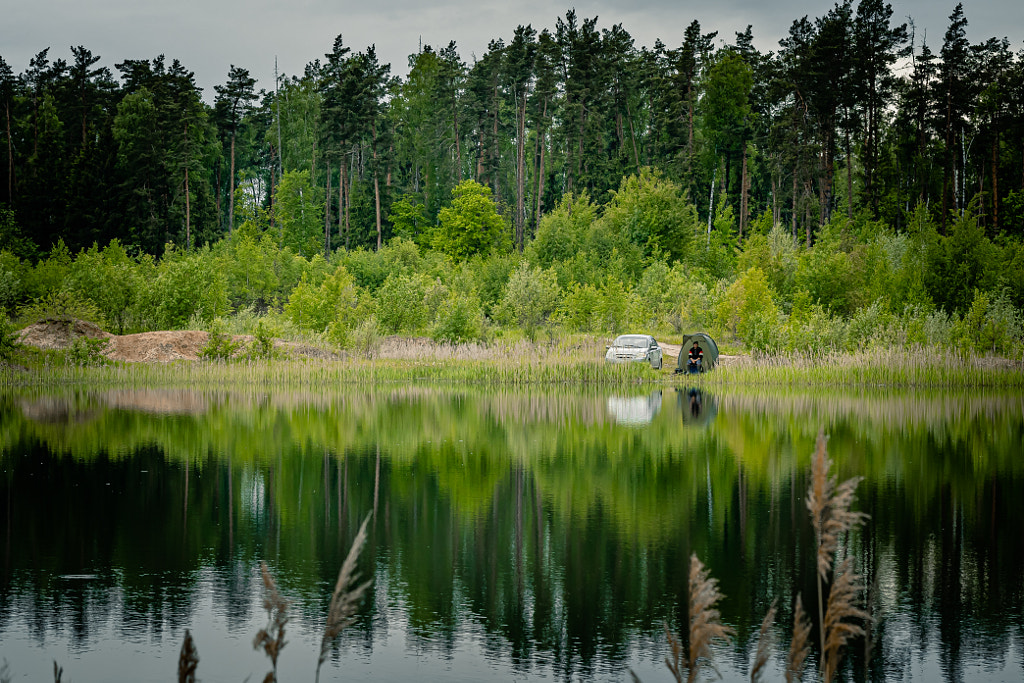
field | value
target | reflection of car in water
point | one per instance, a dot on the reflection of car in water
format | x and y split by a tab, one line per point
634	410
697	408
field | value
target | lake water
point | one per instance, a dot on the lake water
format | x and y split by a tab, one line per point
514	535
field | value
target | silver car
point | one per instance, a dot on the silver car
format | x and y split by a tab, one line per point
634	348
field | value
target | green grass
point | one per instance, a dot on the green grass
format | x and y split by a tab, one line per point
875	368
568	363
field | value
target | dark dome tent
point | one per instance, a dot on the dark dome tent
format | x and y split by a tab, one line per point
706	343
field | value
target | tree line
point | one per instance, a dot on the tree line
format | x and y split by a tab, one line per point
565	175
852	113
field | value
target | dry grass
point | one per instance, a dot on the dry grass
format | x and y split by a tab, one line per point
346	597
843	606
706	625
829	504
188	660
271	638
765	643
800	645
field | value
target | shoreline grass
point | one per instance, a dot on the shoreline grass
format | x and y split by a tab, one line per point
556	365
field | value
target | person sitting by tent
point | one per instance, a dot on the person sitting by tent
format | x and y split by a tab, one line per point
696	357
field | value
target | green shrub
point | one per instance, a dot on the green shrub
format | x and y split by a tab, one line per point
62	305
8	338
579	308
85	351
872	326
262	347
401	303
220	345
366	338
186	285
992	324
460	319
749	310
531	297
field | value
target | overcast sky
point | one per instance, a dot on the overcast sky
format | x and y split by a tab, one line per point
208	36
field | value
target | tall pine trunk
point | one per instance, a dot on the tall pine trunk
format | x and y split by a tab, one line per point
327	216
995	183
376	182
10	156
520	171
231	187
744	191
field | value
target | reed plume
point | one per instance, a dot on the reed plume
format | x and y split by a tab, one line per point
842	606
188	660
765	642
799	646
706	625
676	660
346	597
829	504
271	638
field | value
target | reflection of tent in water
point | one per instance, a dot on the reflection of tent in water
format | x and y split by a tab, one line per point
634	410
697	408
708	345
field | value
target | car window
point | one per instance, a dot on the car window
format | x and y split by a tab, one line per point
632	340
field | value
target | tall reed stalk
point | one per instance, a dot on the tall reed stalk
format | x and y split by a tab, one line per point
346	597
271	638
706	626
829	505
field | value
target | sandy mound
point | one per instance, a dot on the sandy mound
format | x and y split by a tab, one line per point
147	347
59	334
157	347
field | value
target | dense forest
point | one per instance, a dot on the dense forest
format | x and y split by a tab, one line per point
854	181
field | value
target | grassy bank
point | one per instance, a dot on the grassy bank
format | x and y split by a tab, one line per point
920	367
565	364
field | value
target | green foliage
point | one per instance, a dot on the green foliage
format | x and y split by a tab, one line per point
12	272
968	262
654	214
366	338
531	297
991	325
749	311
299	212
220	346
49	274
459	319
61	305
716	252
810	329
579	308
12	237
262	347
253	265
563	231
471	223
332	307
401	303
87	352
778	257
110	279
613	308
8	339
408	220
186	284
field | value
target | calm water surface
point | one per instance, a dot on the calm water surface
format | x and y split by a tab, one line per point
515	535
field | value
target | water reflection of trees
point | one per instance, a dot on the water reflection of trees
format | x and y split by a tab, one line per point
564	539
